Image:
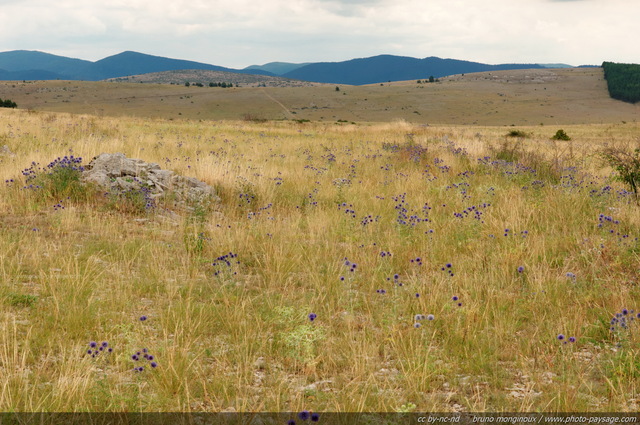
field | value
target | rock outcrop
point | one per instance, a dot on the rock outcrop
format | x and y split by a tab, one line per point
118	174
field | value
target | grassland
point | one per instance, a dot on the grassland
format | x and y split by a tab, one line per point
422	212
520	97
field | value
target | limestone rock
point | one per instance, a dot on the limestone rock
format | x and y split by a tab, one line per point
119	174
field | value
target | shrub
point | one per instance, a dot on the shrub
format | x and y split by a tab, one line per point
60	179
517	133
7	104
627	166
133	201
561	135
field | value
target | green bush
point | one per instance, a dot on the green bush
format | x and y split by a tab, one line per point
517	133
7	104
561	135
627	166
60	179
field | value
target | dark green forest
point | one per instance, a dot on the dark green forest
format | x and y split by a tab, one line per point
623	80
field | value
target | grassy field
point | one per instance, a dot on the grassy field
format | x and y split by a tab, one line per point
441	265
519	97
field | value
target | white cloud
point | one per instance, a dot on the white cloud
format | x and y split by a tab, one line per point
243	32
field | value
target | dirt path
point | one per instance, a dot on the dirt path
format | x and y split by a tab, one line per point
287	111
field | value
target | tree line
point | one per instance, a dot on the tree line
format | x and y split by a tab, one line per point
623	81
8	104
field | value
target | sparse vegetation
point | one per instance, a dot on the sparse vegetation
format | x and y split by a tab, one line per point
384	267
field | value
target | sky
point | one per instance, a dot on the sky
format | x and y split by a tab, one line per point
239	33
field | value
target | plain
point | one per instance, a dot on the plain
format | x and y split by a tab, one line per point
375	267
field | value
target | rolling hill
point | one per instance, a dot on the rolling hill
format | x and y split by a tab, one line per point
277	68
33	65
515	97
386	68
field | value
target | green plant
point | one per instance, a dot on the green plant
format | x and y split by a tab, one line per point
7	104
301	342
21	300
406	408
627	166
560	135
517	133
60	179
132	201
510	152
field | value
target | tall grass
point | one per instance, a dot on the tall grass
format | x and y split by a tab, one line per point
533	245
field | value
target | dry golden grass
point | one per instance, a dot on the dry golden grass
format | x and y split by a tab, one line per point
238	337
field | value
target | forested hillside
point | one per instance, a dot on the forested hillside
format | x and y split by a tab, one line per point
623	80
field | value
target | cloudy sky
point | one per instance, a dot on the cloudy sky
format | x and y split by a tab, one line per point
240	33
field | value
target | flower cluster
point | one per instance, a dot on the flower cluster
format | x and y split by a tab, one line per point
305	415
623	320
352	266
69	162
473	211
96	349
448	268
405	217
369	219
348	209
566	340
396	279
142	356
420	317
246	198
226	260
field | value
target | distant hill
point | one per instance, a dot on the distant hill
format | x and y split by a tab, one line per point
34	65
383	68
277	68
29	74
27	65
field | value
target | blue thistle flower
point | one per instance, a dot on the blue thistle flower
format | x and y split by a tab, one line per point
304	415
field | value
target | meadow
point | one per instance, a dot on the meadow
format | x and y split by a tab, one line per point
382	267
